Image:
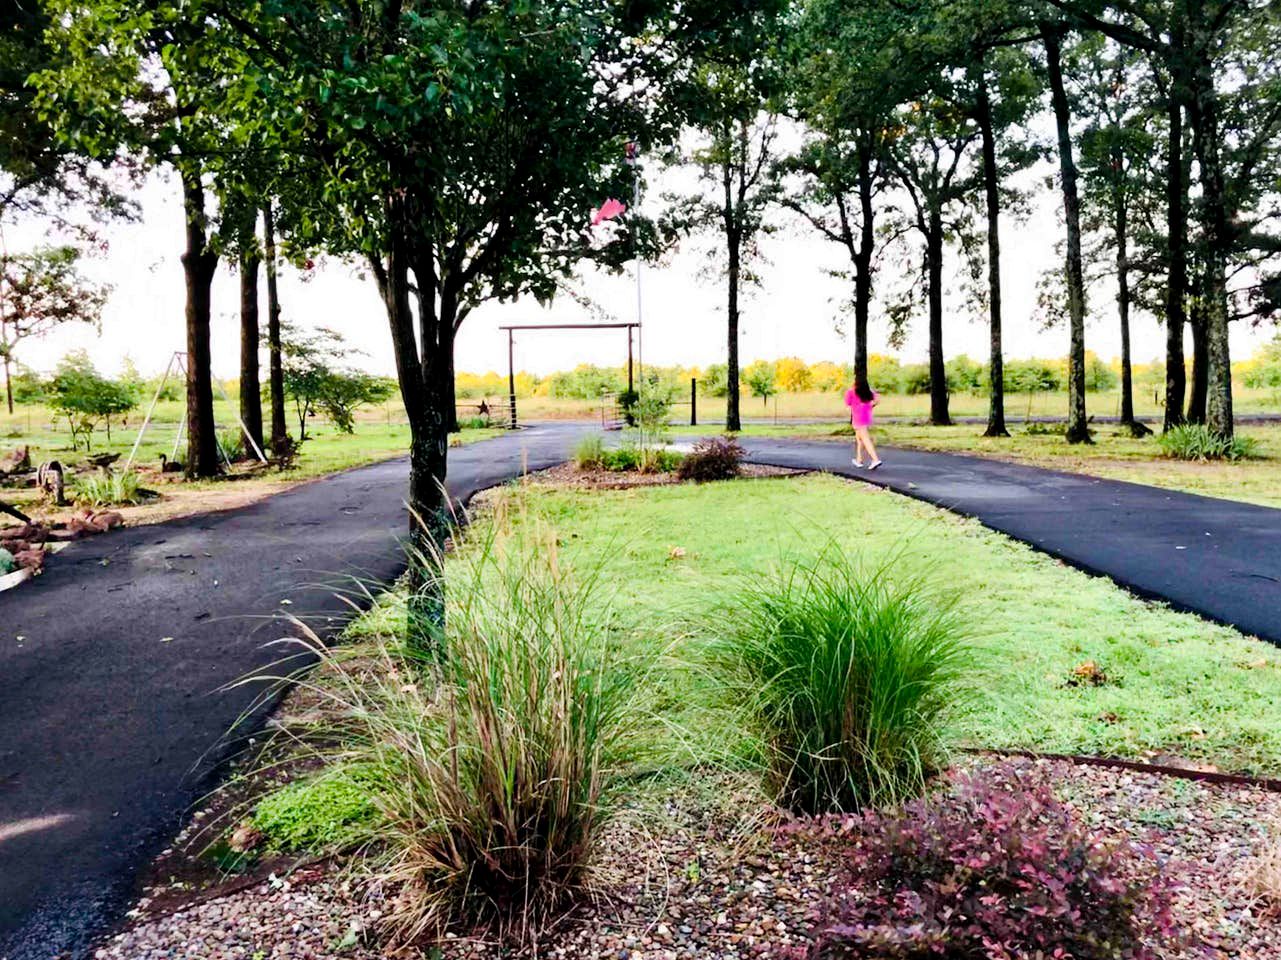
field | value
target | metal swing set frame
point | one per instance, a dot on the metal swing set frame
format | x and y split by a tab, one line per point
177	366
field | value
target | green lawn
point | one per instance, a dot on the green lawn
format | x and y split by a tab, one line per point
1178	685
380	434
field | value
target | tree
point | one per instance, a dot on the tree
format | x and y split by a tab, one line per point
927	161
139	78
39	174
1078	430
793	375
762	380
730	99
1194	42
275	348
85	397
40	291
316	382
1115	145
846	87
459	148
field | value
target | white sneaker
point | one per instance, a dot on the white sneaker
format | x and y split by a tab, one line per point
874	464
857	463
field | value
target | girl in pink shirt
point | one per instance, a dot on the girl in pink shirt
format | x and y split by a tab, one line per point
861	398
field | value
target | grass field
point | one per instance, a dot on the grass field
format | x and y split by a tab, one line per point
381	433
1177	685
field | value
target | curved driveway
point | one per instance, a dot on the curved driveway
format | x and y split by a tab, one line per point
110	661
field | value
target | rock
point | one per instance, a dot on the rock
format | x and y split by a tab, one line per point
16	460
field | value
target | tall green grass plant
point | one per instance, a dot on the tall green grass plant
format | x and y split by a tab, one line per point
850	672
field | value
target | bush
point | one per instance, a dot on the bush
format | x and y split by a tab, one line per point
473	423
233	444
107	489
713	458
850	673
996	868
590	452
1196	441
491	755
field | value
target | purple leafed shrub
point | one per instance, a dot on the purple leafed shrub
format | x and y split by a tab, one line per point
713	458
995	869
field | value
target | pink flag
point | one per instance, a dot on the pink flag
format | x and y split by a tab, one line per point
608	211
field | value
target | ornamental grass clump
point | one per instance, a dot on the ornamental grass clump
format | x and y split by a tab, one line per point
850	673
108	489
996	868
488	755
1196	441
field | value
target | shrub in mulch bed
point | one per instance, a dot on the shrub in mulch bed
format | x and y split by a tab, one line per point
995	868
713	458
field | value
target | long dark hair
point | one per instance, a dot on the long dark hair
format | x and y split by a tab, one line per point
863	391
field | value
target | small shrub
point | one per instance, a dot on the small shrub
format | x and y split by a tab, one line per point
713	458
622	459
108	489
636	457
590	452
850	672
996	868
1040	428
1196	441
322	813
473	423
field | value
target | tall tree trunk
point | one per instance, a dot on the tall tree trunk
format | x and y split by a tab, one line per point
199	263
1213	299
863	265
733	423
250	387
420	390
1077	425
8	381
449	388
275	363
1176	217
991	188
1120	224
939	415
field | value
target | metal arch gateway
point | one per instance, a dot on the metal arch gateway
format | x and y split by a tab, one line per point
511	329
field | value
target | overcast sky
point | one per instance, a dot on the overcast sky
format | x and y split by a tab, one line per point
793	312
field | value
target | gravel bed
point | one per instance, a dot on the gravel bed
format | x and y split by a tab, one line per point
696	872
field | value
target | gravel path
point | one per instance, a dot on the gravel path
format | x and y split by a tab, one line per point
684	877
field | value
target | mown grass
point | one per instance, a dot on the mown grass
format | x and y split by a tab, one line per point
1176	684
380	434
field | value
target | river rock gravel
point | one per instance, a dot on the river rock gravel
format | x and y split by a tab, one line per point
697	872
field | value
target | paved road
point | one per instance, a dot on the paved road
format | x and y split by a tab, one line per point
107	728
1218	558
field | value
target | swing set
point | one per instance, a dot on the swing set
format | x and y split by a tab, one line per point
177	367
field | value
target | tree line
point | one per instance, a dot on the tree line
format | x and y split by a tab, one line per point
454	149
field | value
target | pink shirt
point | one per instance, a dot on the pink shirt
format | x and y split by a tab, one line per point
860	412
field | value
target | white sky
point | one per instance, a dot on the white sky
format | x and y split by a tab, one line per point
792	313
